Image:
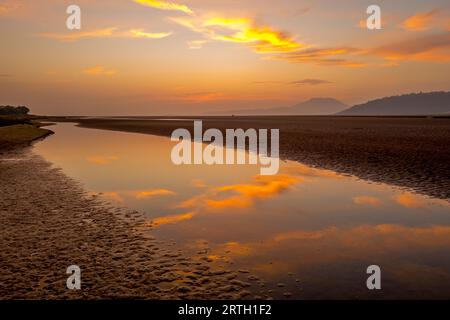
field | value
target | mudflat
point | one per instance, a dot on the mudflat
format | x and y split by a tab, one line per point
48	222
411	152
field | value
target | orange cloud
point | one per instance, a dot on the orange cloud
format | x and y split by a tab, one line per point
241	195
261	38
153	193
367	200
410	201
265	186
232	196
421	21
105	33
74	36
172	219
98	70
101	160
434	48
324	57
140	33
264	39
165	5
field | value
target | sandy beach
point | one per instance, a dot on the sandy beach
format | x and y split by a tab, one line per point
48	222
409	152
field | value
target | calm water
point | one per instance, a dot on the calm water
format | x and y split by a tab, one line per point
313	230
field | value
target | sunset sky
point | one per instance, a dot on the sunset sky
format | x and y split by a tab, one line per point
145	57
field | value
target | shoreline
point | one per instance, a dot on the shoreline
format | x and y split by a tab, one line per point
21	135
410	152
49	222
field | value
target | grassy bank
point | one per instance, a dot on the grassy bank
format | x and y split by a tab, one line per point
21	134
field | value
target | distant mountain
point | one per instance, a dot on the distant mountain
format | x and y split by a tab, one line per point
315	106
432	103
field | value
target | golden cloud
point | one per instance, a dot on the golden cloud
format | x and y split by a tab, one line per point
120	196
74	36
153	193
165	5
140	33
105	33
264	186
284	47
263	39
241	195
172	219
433	48
410	201
231	196
421	21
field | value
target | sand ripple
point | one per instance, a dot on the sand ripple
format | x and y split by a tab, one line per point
48	222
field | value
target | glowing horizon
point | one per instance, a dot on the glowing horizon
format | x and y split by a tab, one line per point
145	57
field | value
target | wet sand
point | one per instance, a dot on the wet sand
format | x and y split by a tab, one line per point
48	222
411	152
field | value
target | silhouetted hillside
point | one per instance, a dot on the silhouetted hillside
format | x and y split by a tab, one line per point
432	103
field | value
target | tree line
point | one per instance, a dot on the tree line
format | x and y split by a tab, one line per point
11	110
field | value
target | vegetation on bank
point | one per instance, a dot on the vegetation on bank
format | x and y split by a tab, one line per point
20	134
11	110
17	128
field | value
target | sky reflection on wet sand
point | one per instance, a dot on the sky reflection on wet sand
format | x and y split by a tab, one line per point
313	230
